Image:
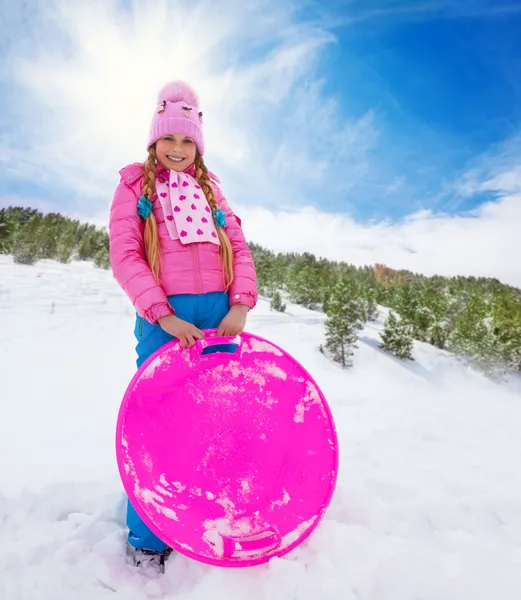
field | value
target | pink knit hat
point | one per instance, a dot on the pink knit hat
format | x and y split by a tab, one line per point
177	113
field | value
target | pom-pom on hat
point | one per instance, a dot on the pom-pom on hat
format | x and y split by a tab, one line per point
177	113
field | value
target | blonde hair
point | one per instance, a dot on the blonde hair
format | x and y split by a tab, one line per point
151	236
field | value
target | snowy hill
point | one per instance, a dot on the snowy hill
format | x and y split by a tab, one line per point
428	503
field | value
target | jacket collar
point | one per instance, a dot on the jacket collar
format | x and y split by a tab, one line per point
134	171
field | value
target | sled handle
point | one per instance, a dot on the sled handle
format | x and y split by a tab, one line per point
217	340
234	547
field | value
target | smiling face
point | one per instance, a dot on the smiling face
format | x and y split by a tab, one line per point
176	152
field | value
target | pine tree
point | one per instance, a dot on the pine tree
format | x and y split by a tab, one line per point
487	355
89	244
326	297
7	232
384	295
305	288
370	306
26	248
512	350
437	334
51	230
424	319
397	337
473	335
406	302
263	262
276	302
65	247
432	323
469	325
506	316
102	258
477	317
435	298
345	320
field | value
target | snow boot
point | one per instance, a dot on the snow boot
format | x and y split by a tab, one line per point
142	558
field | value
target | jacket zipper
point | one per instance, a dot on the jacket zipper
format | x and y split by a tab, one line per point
141	327
199	282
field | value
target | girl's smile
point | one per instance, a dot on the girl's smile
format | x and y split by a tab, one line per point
176	152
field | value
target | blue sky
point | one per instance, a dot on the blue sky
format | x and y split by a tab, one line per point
446	88
372	112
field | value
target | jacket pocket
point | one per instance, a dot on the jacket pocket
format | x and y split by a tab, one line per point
140	328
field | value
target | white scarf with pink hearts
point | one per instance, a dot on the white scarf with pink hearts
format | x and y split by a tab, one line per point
188	216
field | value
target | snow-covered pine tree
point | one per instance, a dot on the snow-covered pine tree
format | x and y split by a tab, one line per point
345	320
506	315
325	299
469	325
512	350
436	298
371	308
437	334
487	354
424	319
432	324
276	302
407	302
397	337
474	335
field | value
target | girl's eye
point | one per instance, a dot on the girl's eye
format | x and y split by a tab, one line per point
168	138
187	141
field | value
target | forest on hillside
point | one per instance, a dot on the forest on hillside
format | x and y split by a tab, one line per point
477	318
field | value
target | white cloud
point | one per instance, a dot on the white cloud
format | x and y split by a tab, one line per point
85	90
83	93
509	181
481	243
484	242
497	171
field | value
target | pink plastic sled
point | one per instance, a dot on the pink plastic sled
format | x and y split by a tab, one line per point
227	450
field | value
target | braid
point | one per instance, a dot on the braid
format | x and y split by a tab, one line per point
203	179
151	237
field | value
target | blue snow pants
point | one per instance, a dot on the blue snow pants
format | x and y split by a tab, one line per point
205	311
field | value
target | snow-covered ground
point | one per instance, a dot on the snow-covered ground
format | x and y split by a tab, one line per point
428	502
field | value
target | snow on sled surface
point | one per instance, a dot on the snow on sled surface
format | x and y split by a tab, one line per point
227	449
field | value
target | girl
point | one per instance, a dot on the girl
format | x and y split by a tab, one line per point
177	251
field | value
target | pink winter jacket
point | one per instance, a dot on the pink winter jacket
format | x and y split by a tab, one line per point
186	269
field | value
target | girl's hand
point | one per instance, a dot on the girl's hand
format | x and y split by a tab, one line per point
234	322
185	332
